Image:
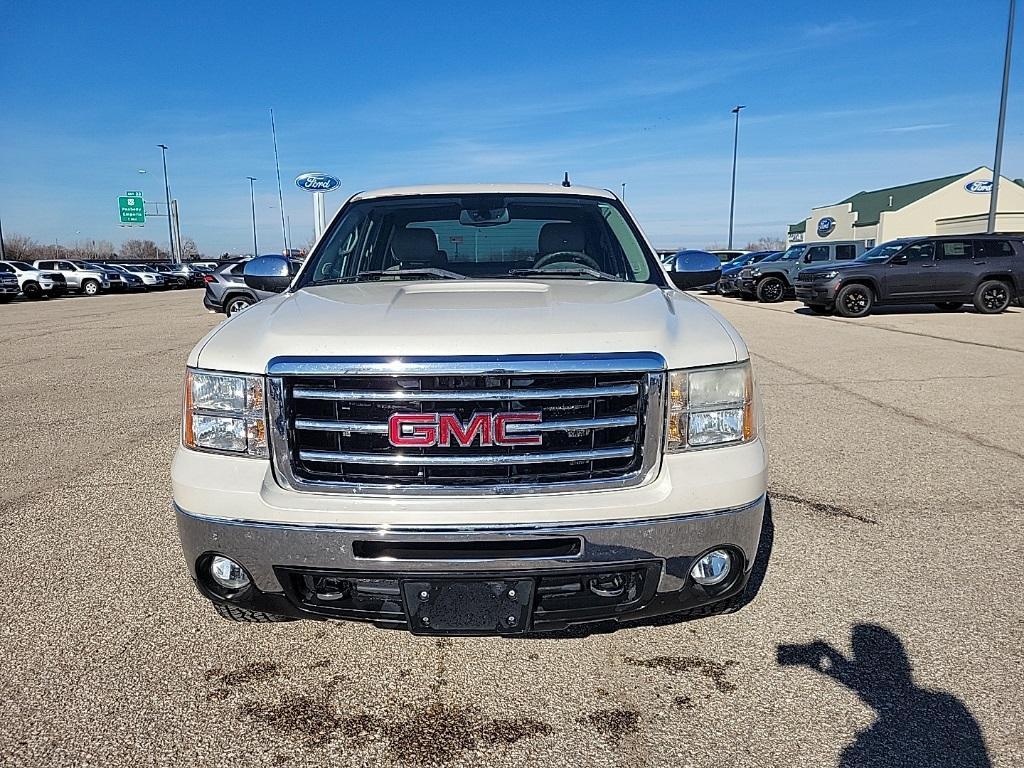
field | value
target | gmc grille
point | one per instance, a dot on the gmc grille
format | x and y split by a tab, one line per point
597	429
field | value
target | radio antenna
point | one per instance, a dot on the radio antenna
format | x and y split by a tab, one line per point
565	181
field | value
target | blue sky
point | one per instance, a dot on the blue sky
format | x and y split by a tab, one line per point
855	96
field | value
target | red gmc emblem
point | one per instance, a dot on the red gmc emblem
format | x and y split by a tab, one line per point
446	429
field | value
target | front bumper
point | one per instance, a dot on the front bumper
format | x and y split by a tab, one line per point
700	500
817	292
657	553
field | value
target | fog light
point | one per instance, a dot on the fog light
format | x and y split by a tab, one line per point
227	573
712	568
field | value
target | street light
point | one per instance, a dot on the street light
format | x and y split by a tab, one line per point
997	165
167	193
735	146
252	199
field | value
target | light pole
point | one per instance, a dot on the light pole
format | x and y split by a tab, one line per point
997	165
735	147
3	251
252	199
167	193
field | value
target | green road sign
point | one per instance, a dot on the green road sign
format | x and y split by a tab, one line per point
132	208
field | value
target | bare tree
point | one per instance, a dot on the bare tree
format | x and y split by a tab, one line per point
189	250
24	248
140	250
766	243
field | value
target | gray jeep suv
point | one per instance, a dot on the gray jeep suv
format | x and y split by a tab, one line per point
772	280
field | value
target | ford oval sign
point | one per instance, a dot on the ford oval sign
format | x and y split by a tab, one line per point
826	226
317	182
979	187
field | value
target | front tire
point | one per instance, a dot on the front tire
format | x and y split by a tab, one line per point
992	297
90	288
245	616
236	304
854	300
771	290
32	291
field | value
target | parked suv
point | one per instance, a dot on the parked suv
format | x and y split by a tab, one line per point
33	283
772	280
532	431
728	284
8	286
987	270
227	292
87	280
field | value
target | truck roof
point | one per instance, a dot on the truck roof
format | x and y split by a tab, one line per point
482	189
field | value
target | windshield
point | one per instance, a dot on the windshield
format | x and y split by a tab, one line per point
482	237
881	252
791	254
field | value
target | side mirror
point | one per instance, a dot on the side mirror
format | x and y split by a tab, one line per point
899	259
695	269
268	273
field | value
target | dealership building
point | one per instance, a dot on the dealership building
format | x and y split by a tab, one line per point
951	205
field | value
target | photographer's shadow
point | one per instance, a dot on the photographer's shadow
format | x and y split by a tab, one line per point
915	726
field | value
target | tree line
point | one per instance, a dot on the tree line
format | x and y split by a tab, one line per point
23	248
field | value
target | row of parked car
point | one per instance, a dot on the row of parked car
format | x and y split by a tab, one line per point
986	270
55	277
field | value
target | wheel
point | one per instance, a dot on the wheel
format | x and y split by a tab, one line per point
949	306
233	613
90	287
820	309
771	290
32	291
236	304
992	297
854	300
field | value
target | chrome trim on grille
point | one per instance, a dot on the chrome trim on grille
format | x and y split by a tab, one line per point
651	400
365	395
484	459
466	365
328	425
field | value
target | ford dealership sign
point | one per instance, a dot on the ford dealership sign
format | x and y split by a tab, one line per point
317	182
826	226
979	187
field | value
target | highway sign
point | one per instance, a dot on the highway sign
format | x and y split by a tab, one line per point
131	208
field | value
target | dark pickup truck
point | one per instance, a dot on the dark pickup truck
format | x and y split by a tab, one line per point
986	270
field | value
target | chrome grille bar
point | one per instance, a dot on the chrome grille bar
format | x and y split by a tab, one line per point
363	395
363	427
457	461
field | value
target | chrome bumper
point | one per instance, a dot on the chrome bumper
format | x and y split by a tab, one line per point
675	541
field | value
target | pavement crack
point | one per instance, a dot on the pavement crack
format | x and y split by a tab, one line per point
818	506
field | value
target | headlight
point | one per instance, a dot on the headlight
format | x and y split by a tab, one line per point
832	273
709	407
224	413
745	272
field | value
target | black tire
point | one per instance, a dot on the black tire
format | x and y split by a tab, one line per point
32	291
949	306
771	290
91	287
820	309
233	613
854	300
235	304
992	297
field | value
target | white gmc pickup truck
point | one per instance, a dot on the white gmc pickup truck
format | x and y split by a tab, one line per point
476	409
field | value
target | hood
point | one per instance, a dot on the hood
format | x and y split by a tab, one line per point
450	318
833	266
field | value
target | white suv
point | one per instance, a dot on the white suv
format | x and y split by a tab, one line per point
79	277
476	409
33	283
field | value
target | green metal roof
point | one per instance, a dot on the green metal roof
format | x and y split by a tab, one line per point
796	228
869	205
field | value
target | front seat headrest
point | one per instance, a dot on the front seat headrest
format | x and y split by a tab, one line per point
558	236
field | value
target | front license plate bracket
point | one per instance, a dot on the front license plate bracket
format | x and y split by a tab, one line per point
468	606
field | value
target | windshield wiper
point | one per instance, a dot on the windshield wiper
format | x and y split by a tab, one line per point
377	274
580	271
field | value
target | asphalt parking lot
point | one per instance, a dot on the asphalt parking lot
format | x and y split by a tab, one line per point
897	480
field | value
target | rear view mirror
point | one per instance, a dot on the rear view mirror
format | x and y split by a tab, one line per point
694	269
268	273
487	217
